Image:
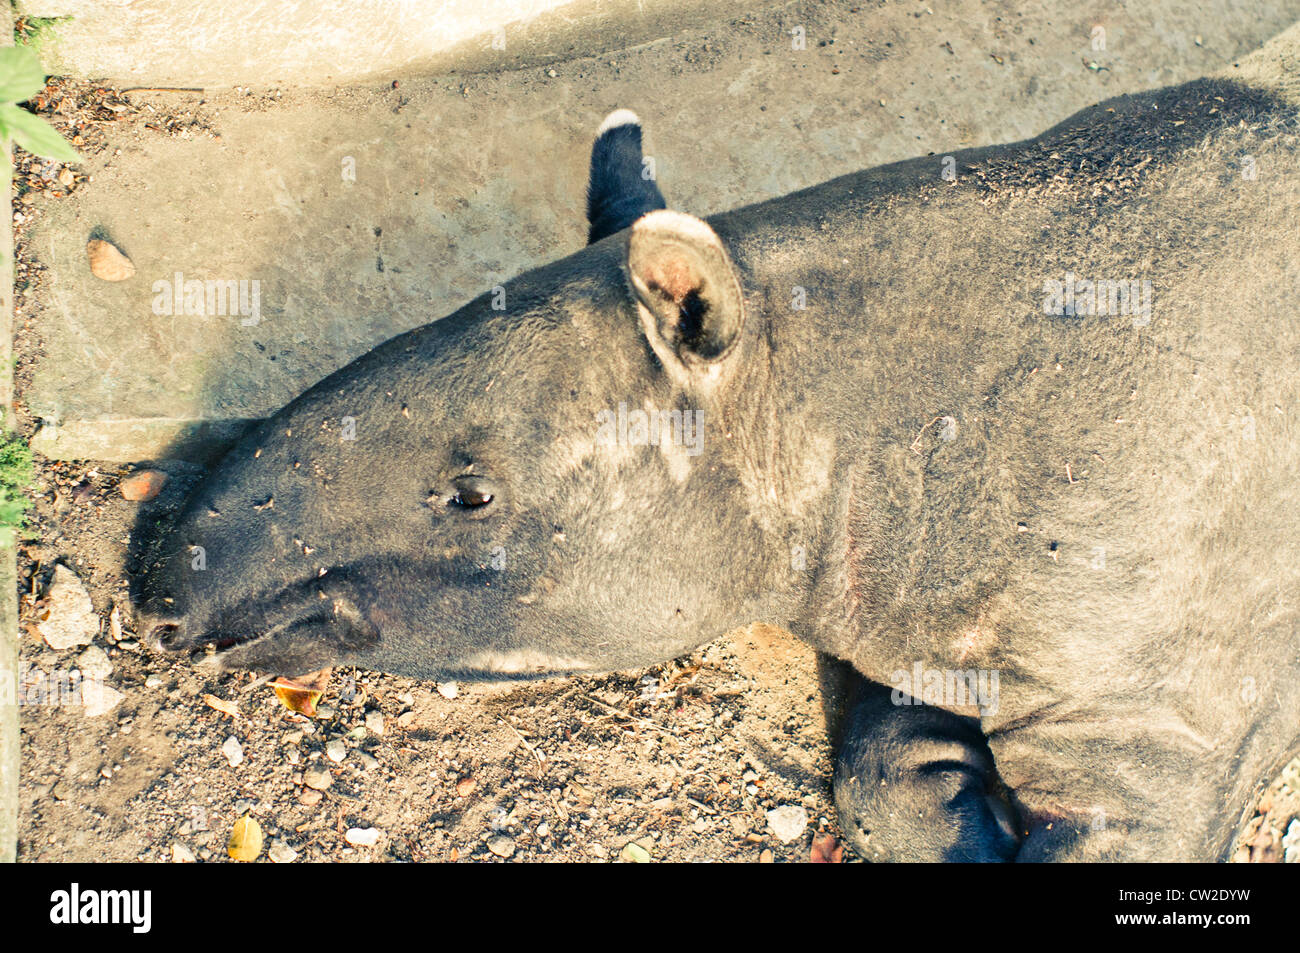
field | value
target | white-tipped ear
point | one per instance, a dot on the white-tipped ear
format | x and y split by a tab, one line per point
619	117
689	297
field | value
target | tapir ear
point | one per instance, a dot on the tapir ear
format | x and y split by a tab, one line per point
689	296
621	188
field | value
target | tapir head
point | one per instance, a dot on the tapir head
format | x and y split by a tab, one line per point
543	482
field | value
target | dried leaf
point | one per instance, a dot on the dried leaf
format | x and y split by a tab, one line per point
825	850
107	262
222	705
302	693
143	486
245	839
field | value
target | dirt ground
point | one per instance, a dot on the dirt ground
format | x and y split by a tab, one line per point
681	762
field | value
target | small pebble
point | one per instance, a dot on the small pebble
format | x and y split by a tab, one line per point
309	798
293	754
502	845
448	689
367	761
94	663
317	778
375	722
153	681
281	853
336	751
182	854
233	751
99	699
465	787
362	836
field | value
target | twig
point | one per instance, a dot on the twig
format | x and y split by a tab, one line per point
916	444
258	682
541	758
163	89
702	806
622	714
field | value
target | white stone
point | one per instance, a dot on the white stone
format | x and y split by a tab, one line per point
94	663
99	699
71	620
1291	843
787	823
281	853
362	836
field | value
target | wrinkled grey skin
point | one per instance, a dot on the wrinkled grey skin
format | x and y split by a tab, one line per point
1108	519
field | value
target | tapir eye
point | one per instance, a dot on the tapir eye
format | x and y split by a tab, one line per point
471	493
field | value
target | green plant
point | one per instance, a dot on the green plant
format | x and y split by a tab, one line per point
34	31
16	475
21	78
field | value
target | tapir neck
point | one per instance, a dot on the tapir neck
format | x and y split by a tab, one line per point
881	340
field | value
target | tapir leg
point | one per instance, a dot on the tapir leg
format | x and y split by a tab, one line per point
918	783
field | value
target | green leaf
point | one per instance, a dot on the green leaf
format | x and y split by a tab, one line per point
21	76
34	134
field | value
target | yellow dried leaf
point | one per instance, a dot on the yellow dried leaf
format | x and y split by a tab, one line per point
222	705
302	693
245	839
300	700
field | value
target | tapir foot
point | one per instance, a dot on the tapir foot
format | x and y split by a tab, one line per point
917	783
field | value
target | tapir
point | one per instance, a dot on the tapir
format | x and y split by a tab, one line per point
1012	431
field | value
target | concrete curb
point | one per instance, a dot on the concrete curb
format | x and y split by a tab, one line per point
323	42
9	754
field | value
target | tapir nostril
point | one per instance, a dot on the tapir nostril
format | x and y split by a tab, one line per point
164	636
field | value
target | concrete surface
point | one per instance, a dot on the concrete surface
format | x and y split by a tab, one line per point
307	42
460	183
